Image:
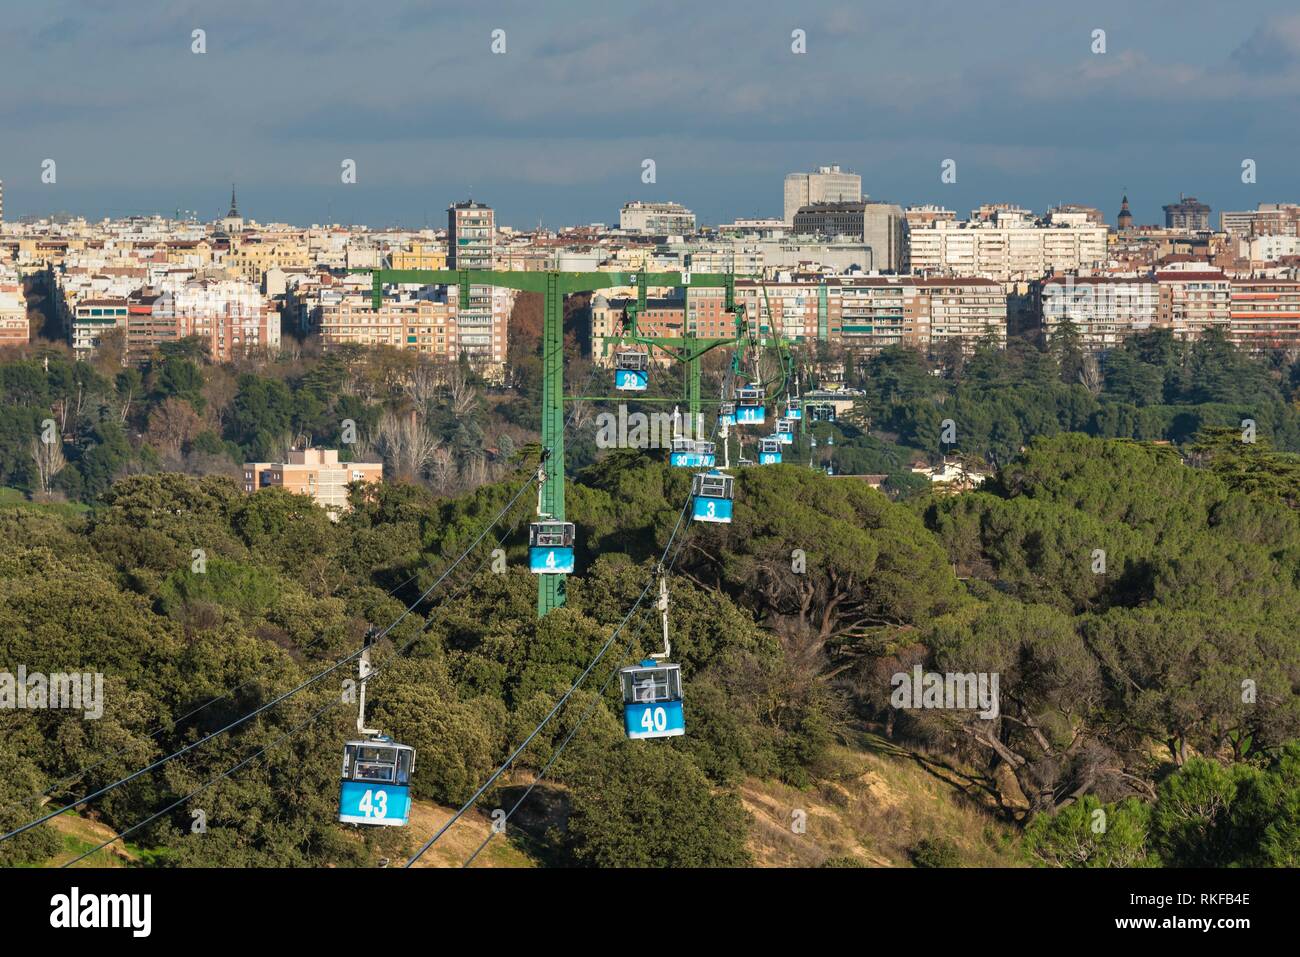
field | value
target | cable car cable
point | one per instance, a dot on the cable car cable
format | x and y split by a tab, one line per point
223	775
686	506
265	707
600	694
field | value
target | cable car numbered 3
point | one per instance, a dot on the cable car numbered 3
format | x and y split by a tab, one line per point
712	494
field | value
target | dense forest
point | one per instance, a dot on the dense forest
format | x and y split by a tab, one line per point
1130	572
1123	691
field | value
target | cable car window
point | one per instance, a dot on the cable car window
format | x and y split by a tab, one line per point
386	755
374	772
404	766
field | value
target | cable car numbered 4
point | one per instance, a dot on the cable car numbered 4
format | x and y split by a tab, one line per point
375	787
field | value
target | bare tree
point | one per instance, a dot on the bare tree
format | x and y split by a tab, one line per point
49	460
460	390
405	443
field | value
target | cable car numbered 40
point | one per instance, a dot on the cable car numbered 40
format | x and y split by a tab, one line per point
652	700
376	784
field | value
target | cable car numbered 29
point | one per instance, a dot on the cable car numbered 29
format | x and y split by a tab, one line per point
652	700
376	784
631	370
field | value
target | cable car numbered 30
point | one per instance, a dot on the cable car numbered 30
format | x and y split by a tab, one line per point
692	454
652	700
769	451
631	370
376	784
550	548
711	496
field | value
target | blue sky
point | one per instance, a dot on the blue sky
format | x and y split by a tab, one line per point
555	129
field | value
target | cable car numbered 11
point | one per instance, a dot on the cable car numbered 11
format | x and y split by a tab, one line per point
376	784
652	700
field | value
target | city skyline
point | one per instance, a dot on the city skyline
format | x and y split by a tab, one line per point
1182	95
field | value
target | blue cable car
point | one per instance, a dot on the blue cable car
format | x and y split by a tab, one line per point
794	409
376	785
769	451
692	454
550	548
785	431
711	496
727	414
652	700
750	409
631	370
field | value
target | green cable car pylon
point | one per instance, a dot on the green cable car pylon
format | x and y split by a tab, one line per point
554	286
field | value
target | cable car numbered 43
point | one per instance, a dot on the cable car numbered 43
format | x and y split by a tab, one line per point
550	548
652	700
376	785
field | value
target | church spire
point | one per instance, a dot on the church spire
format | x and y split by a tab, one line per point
234	210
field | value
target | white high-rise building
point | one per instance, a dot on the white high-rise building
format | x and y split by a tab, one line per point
826	184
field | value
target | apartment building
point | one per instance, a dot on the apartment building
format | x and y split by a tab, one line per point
1188	214
14	327
1265	314
427	325
315	472
867	313
1185	298
656	219
471	244
1006	248
1103	309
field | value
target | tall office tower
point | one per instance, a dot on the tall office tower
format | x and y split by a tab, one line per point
2	201
471	244
826	184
